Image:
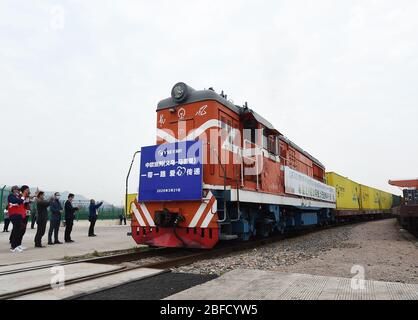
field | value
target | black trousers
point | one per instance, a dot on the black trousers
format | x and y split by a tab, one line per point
23	229
6	224
41	221
54	227
92	223
33	218
68	228
15	237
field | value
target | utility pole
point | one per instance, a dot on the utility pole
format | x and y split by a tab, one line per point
127	181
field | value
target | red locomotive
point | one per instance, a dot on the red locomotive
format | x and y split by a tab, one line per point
255	181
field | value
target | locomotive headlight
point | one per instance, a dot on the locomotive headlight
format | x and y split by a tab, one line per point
179	92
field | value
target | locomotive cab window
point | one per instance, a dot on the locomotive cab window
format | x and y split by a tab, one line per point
250	130
265	139
271	142
226	127
273	146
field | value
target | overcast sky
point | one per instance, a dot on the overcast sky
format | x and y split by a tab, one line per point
80	81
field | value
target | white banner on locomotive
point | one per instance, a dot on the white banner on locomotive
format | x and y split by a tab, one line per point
299	184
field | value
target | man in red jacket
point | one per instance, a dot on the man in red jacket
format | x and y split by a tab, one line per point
27	200
17	215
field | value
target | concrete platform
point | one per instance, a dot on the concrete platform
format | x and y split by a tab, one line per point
93	286
110	238
270	285
31	279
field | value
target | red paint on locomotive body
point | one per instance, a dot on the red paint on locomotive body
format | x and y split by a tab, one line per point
198	230
223	132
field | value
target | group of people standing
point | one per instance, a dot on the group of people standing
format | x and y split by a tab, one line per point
18	211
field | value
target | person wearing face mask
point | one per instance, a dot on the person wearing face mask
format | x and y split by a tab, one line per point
54	222
27	200
17	213
69	210
42	209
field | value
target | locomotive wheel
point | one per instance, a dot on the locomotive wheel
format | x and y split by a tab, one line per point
281	229
265	230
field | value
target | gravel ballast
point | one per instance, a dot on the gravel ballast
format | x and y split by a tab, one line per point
384	251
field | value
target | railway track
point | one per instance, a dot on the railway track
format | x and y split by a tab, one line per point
110	259
165	258
159	258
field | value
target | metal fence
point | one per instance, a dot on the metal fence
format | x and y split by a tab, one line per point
105	213
4	192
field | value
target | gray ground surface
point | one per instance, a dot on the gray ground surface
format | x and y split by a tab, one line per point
110	238
154	288
379	246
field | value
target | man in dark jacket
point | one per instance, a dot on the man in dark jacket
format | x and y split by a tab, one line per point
69	217
122	217
54	223
93	215
42	217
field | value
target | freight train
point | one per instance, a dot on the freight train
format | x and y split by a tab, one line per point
220	171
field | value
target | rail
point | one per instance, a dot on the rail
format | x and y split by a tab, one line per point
187	256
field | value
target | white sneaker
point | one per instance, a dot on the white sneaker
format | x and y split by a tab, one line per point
17	249
22	248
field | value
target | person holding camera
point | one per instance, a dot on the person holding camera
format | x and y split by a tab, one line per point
54	222
27	202
93	212
42	217
18	202
69	210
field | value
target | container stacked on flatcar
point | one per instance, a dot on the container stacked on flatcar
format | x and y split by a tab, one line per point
348	193
410	196
397	201
357	200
